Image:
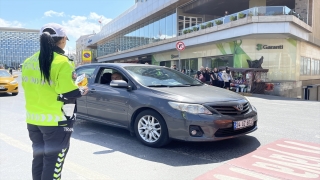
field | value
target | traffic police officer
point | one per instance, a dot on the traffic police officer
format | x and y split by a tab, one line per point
50	94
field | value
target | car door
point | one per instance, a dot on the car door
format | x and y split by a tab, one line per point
81	102
108	104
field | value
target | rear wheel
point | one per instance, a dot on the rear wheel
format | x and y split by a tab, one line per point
14	94
151	129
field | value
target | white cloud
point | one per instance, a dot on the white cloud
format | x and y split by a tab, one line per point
82	25
97	17
4	23
53	13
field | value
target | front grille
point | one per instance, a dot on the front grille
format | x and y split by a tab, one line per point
231	110
231	132
5	89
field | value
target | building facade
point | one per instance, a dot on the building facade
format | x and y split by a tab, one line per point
80	47
286	33
17	44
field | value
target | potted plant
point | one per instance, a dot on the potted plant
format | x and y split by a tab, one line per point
190	30
185	31
242	15
209	24
218	22
233	18
195	28
203	26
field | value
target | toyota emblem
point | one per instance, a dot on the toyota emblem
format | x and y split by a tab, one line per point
239	107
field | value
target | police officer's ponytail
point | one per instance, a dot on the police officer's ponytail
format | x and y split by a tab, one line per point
47	46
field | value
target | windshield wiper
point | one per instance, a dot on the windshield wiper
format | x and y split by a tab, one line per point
194	84
157	85
162	85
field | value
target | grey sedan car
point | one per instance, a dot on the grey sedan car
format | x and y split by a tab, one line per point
158	104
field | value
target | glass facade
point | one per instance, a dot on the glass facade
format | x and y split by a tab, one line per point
155	30
309	66
16	46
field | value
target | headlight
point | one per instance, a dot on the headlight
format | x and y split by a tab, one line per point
190	108
13	82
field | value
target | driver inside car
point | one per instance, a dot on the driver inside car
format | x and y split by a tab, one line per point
116	76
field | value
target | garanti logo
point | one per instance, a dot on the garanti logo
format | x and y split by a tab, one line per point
259	47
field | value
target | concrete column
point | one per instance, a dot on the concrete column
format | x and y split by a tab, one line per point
301	8
256	3
201	62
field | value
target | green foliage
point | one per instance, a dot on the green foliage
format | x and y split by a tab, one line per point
233	18
209	24
218	22
242	15
195	28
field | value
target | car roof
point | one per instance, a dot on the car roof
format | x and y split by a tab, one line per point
119	65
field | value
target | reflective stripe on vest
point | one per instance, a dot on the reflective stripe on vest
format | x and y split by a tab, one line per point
45	119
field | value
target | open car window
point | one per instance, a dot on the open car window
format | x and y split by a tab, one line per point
105	75
89	71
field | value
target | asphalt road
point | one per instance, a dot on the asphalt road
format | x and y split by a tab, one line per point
102	152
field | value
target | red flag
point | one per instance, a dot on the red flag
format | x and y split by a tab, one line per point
100	20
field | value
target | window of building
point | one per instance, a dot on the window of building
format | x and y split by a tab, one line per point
309	66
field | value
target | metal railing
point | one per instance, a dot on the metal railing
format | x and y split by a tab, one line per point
256	11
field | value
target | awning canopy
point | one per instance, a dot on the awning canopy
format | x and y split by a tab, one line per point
242	70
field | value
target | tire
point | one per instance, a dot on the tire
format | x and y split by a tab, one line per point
14	94
157	135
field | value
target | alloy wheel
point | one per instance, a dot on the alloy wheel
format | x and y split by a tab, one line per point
149	128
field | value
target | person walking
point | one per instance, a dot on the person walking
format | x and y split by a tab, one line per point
10	70
50	94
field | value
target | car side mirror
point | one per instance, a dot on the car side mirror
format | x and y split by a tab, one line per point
119	84
15	76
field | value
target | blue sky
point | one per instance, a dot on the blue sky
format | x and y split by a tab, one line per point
80	17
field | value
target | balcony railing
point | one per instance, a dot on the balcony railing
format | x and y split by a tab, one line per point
256	11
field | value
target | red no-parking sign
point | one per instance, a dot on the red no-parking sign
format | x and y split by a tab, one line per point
180	46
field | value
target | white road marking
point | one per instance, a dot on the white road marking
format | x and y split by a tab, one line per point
69	165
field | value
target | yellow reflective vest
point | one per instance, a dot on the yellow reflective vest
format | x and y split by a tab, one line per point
42	106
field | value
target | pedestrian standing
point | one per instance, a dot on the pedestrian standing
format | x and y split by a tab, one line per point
220	79
50	95
214	77
227	78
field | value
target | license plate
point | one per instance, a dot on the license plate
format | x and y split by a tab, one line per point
242	124
1	87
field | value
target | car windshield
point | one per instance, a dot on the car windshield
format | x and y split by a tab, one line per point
156	76
4	73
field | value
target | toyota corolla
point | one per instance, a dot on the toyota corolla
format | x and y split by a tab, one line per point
158	104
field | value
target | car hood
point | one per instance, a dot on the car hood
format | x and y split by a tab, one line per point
198	94
6	79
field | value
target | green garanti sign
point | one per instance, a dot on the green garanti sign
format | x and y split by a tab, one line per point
261	46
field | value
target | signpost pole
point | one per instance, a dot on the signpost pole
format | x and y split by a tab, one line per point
179	62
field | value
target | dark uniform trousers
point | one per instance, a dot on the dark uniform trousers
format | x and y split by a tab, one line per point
50	146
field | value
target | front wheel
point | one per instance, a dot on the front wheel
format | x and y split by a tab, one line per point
151	129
